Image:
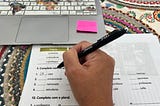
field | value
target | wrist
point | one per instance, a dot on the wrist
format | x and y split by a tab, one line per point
98	101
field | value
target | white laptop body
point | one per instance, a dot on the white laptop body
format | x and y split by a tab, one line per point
42	29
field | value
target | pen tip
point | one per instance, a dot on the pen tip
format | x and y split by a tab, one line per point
60	65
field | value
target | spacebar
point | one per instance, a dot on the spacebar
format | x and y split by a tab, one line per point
42	13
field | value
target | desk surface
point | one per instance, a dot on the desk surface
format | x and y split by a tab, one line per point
14	59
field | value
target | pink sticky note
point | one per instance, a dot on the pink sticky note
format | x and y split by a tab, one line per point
87	26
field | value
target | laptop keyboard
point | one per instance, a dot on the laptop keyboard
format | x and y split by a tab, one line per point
47	7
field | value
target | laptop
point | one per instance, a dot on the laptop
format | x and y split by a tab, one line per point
36	22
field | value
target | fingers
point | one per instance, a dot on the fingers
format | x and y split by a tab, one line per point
81	46
71	59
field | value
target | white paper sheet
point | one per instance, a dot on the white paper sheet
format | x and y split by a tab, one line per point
136	77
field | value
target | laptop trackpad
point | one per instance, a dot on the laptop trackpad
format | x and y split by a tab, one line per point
43	30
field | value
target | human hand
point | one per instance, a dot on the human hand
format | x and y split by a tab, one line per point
91	77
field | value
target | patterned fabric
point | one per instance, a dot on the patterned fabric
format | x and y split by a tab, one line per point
13	62
140	16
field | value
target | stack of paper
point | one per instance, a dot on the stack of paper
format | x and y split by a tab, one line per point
136	77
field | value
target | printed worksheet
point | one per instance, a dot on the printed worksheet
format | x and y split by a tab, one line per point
45	84
136	79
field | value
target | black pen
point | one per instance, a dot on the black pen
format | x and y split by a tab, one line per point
101	42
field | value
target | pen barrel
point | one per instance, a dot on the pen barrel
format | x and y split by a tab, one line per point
101	42
112	36
88	50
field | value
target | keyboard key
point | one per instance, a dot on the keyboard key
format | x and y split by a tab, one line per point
3	12
5	7
38	13
4	3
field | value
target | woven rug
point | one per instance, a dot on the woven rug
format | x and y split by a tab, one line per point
140	16
117	14
13	66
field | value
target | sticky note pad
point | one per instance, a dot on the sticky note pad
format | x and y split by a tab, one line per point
87	26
